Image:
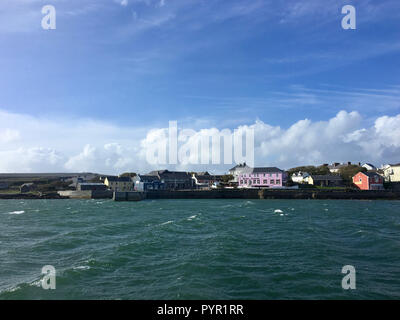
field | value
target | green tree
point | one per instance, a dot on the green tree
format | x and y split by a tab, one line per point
129	174
313	170
348	172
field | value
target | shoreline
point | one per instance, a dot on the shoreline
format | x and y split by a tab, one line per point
261	194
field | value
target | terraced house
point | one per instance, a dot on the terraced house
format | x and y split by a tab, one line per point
263	177
119	183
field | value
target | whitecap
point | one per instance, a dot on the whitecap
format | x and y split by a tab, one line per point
278	211
36	283
192	217
81	268
17	212
168	222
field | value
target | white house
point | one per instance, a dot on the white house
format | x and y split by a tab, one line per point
300	177
369	166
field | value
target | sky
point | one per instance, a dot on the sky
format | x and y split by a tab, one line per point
97	91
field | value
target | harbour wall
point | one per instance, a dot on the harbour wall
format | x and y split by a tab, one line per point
86	194
274	194
129	196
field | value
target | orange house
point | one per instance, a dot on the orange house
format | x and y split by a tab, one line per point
368	181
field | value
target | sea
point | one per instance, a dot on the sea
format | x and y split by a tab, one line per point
200	249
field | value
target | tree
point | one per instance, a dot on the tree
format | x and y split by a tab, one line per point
313	170
348	172
227	177
129	174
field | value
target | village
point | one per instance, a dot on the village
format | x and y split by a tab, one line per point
335	176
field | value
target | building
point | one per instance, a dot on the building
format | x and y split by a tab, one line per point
147	183
368	181
239	169
369	167
3	185
27	187
119	183
174	180
328	180
336	166
391	172
91	187
300	177
204	180
264	177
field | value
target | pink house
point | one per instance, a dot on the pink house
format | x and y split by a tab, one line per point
267	177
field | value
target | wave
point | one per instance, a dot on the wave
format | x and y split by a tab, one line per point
168	222
17	212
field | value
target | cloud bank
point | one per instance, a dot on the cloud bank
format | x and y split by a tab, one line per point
31	144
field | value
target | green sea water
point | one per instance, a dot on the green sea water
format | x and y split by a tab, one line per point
199	249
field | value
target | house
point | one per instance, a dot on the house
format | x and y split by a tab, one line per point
239	169
174	180
368	181
300	177
84	186
204	180
391	172
336	166
262	177
328	180
27	187
147	183
369	167
3	185
119	183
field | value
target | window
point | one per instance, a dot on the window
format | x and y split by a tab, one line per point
278	181
241	181
265	181
272	181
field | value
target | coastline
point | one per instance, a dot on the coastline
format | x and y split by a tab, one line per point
262	194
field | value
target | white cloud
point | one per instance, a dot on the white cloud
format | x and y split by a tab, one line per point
31	144
9	135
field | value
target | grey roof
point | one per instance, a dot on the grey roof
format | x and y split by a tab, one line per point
327	177
166	174
340	165
369	164
371	174
148	178
27	184
240	165
120	179
208	177
91	184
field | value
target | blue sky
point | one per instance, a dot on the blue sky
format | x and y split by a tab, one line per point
204	63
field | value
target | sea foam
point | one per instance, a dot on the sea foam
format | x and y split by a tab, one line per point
17	212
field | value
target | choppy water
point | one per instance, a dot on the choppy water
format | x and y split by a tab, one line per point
199	249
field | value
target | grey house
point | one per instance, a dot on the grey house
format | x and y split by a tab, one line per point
174	180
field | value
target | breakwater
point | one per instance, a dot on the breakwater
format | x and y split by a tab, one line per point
31	196
259	194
